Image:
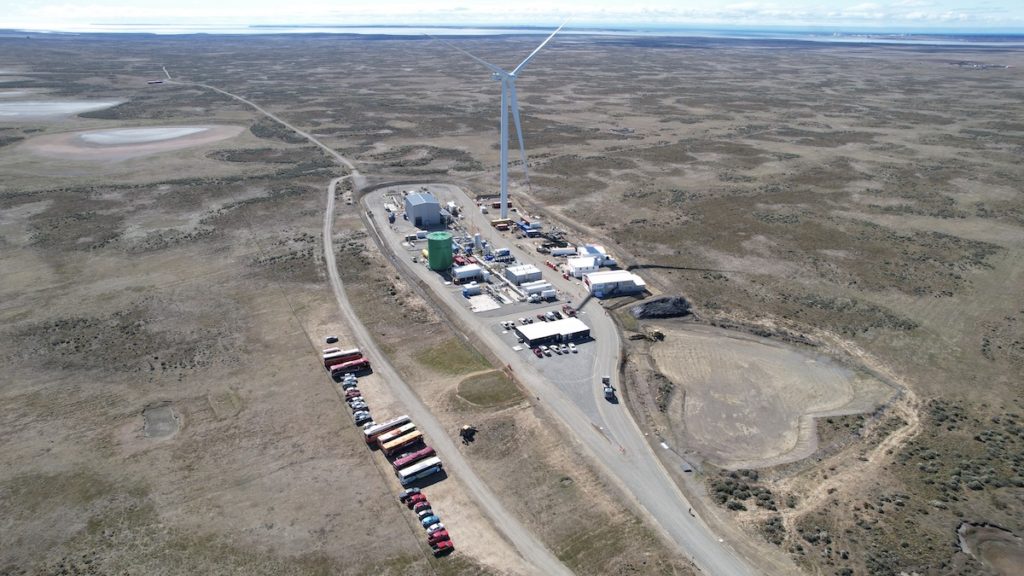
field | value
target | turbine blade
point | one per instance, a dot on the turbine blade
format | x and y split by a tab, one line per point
519	132
534	53
480	60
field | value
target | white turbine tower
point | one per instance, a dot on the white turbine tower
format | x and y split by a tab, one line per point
509	100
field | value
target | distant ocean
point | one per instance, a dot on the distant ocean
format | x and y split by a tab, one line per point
945	38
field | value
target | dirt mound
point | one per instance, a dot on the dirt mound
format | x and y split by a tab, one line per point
661	307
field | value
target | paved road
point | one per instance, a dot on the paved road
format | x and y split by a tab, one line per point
616	442
532	550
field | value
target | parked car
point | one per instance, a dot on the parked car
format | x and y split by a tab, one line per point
408	493
572	348
565	348
348	385
352	393
354	399
434	528
332	339
360	407
545	350
529	320
437	537
541	317
411	495
421	505
556	349
557	314
537	352
522	320
425	513
363	419
443	548
430	521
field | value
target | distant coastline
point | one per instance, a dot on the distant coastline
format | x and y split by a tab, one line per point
819	34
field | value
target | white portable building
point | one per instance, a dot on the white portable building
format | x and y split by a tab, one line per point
580	265
613	283
522	273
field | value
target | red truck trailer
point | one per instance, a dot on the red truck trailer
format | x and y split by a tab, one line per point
341	356
351	367
412	458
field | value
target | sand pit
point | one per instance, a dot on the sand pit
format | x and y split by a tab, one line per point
160	421
124	143
999	550
747	402
43	109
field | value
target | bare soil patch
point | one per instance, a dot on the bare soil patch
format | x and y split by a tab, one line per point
744	402
121	144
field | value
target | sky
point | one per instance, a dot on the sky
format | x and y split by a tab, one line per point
845	15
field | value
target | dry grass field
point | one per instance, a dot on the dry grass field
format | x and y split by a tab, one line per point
866	199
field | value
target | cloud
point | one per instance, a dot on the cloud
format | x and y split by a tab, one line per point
838	13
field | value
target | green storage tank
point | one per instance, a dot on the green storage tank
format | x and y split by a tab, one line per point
439	250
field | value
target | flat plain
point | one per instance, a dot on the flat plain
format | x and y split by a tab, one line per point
857	202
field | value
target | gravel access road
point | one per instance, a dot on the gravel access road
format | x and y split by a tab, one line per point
532	550
615	441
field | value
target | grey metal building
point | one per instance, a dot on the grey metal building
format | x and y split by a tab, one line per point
423	210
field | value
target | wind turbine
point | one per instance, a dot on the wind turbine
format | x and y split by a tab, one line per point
508	100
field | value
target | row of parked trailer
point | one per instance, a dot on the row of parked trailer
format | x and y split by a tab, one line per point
340	362
404	446
398	439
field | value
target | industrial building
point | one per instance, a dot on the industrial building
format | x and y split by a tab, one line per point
565	330
422	209
467	273
598	253
522	273
439	251
580	265
613	283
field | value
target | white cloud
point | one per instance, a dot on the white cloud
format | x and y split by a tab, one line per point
891	13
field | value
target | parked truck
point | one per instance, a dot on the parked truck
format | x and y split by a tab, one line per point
354	366
341	356
374	432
